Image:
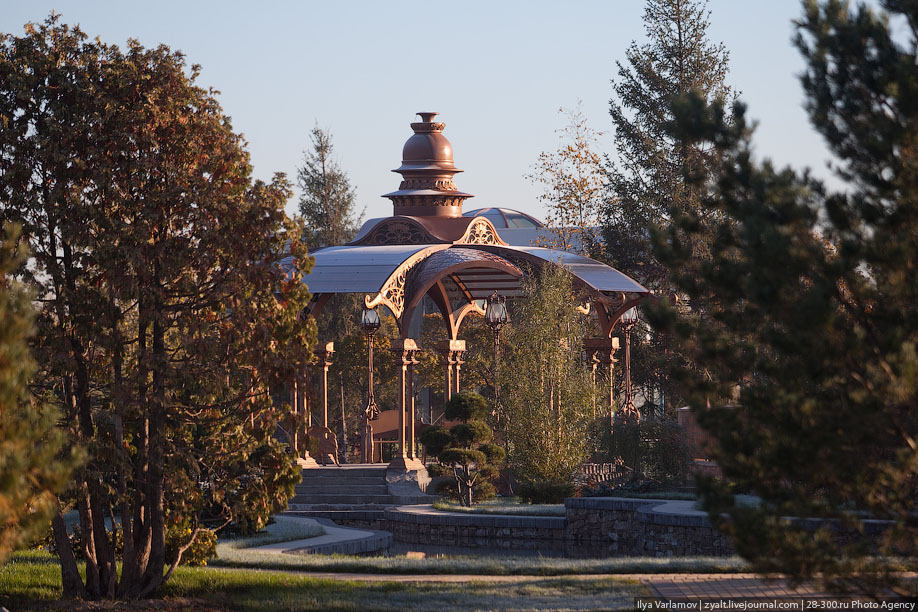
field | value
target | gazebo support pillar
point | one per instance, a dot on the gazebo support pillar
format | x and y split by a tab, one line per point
601	353
405	474
324	357
451	358
300	406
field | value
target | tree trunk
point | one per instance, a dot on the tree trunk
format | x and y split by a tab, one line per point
153	576
70	575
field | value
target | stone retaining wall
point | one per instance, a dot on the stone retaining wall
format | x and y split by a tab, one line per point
420	525
632	527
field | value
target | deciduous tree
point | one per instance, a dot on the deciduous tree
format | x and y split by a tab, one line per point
573	183
547	395
166	315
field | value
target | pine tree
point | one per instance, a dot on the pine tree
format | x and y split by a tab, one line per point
34	465
647	177
328	201
810	333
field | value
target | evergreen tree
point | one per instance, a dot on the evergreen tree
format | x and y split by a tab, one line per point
328	202
33	466
166	316
647	177
810	333
465	449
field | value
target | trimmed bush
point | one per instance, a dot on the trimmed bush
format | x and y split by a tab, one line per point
473	432
435	439
545	492
466	406
464	451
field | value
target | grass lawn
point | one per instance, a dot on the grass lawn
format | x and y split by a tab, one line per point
503	505
484	566
31	581
283	529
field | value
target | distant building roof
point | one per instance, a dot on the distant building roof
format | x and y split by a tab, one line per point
506	217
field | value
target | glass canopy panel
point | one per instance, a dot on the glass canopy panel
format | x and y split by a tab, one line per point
360	269
597	275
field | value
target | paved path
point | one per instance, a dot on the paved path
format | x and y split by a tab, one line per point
728	586
333	534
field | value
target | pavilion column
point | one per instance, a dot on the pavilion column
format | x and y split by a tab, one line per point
324	360
299	403
601	355
295	406
405	350
451	358
410	433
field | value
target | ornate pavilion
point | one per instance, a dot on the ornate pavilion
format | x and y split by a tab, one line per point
428	248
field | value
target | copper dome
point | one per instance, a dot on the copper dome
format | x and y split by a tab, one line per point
427	187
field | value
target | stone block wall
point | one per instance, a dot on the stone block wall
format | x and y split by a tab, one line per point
632	527
419	525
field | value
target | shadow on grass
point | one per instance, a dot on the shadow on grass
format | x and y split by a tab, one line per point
253	591
32	582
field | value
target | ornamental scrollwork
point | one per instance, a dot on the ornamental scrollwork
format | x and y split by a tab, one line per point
393	291
480	231
397	232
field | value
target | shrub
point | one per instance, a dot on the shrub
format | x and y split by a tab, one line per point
466	406
436	470
203	548
463	450
473	432
435	439
654	449
481	491
545	492
496	454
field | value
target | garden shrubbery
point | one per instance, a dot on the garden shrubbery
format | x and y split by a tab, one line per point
464	451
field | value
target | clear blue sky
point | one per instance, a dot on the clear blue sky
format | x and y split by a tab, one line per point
497	72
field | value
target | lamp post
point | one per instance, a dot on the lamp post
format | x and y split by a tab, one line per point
369	322
496	316
628	320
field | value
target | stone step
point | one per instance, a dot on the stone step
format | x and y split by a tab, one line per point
345	481
344	472
342	498
335	488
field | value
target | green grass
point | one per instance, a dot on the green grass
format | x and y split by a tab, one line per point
510	505
484	566
283	529
31	581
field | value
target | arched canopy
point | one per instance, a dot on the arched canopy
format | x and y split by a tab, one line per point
456	276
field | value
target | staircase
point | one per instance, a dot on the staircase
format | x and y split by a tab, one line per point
345	485
355	491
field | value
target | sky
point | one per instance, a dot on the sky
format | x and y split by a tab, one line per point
497	72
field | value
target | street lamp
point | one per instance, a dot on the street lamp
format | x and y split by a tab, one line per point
369	322
496	315
628	320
